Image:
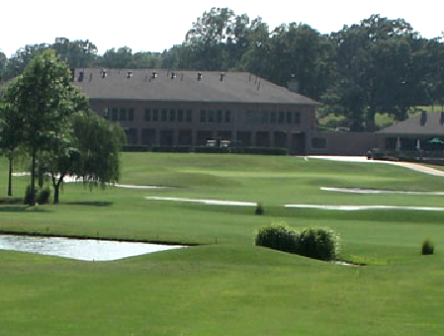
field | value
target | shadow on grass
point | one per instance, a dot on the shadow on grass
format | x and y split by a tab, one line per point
22	208
92	203
11	201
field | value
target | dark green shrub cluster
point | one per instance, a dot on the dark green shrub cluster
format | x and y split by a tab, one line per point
277	236
171	149
208	149
41	195
316	243
27	199
134	148
427	247
259	150
259	209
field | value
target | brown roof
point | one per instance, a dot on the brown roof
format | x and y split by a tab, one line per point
433	124
233	87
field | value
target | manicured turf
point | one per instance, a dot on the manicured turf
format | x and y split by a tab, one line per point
228	286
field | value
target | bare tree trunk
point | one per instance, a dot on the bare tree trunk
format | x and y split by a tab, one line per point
11	166
56	184
32	193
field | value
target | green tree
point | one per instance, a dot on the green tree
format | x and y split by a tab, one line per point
145	60
433	69
346	98
91	154
119	59
17	63
3	61
77	53
11	125
46	99
217	41
381	57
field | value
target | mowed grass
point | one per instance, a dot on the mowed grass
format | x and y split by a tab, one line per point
227	286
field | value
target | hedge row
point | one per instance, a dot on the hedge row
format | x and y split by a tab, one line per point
316	243
207	149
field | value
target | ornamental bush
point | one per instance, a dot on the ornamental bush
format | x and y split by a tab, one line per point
427	247
259	209
277	236
43	196
322	244
316	243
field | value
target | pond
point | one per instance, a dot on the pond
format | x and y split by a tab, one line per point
80	249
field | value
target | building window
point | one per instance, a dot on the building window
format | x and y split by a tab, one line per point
273	118
115	114
131	114
227	116
264	117
189	116
250	116
106	112
122	114
219	116
281	117
210	116
319	143
147	114
155	115
297	117
180	115
164	115
288	117
172	115
203	116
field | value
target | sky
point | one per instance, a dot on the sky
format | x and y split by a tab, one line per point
144	25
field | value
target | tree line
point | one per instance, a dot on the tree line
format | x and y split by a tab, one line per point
376	65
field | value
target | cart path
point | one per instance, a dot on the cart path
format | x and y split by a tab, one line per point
409	165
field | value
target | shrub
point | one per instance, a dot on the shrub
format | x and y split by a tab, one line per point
259	150
42	196
277	236
259	209
427	247
27	199
171	149
208	149
322	244
134	148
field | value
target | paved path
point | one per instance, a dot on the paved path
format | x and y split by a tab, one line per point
410	165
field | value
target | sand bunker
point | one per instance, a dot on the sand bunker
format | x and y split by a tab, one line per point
71	179
137	186
361	207
202	201
377	191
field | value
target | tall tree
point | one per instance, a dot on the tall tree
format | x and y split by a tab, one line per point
11	126
45	99
119	59
3	61
433	69
17	63
92	152
217	40
380	57
77	53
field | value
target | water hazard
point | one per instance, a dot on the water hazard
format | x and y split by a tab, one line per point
80	249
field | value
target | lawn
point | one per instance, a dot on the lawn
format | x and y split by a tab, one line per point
226	286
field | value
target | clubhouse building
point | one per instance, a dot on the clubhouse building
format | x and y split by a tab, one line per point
191	108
